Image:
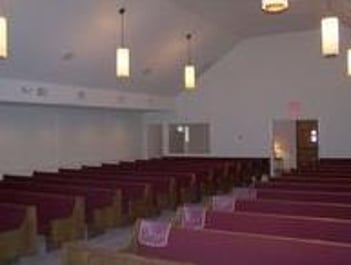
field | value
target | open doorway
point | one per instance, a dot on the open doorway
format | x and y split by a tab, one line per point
295	145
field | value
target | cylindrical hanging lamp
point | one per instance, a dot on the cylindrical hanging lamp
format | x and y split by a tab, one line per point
190	76
3	33
348	62
330	36
274	6
3	38
122	53
123	62
189	69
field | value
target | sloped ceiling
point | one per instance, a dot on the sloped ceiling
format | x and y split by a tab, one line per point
73	42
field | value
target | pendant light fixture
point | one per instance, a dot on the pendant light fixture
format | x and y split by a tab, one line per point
189	69
3	35
330	34
122	53
348	62
274	6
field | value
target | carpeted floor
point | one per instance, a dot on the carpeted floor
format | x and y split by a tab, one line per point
112	239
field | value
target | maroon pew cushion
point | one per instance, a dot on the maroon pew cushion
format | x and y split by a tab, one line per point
94	198
49	206
131	192
298	186
299	208
328	197
11	217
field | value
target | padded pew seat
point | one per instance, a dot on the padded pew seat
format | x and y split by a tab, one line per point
311	196
186	183
297	208
156	187
298	186
312	179
165	187
202	177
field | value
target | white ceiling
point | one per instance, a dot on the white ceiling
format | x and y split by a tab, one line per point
73	42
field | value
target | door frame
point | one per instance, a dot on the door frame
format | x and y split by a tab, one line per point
272	139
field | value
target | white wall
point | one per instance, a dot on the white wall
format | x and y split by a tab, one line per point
254	83
36	137
52	94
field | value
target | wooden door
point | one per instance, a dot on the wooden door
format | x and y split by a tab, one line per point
307	135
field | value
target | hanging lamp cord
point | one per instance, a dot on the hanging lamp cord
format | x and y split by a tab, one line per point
122	11
329	6
188	37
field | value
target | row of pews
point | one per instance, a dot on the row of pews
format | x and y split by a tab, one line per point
75	204
300	218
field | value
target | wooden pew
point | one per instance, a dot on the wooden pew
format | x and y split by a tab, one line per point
100	204
242	169
135	200
185	182
192	183
60	217
203	176
163	188
18	232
